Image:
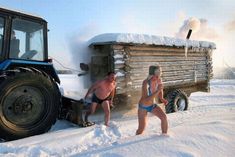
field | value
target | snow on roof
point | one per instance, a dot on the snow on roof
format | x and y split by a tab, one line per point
148	40
20	11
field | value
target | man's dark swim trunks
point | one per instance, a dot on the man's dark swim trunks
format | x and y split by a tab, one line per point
99	101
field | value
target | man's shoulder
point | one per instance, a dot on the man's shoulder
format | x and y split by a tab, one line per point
99	82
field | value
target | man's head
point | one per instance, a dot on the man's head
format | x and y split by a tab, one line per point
111	76
155	70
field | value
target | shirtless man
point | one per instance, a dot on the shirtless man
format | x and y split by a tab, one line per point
103	93
152	88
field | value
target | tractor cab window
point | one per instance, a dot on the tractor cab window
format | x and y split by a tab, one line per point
1	34
26	40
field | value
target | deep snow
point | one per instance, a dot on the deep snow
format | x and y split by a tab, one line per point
206	129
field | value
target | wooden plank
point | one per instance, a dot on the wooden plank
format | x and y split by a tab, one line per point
182	83
165	59
173	73
117	47
121	84
118	66
119	79
178	66
162	58
118	51
147	64
163	48
171	69
173	83
170	77
172	80
164	53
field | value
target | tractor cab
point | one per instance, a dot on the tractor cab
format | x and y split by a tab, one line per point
23	42
22	37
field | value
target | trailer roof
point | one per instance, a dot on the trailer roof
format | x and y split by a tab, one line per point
138	39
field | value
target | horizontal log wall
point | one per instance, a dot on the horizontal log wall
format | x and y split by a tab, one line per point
132	62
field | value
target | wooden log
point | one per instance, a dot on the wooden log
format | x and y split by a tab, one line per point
183	83
163	58
178	66
119	79
178	77
119	66
160	60
117	47
132	64
164	53
173	80
118	51
170	74
171	84
166	64
169	69
121	84
163	48
173	73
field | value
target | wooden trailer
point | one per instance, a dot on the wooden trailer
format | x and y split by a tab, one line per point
186	65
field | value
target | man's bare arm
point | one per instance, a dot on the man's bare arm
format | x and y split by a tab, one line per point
92	88
112	94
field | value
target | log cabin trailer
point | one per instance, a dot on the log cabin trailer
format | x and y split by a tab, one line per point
186	65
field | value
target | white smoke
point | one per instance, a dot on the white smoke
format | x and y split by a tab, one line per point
230	26
80	52
78	45
200	30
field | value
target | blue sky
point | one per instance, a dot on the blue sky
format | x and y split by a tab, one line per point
86	18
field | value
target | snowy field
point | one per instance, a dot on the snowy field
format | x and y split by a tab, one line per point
206	129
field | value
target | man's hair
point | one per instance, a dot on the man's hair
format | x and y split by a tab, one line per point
110	72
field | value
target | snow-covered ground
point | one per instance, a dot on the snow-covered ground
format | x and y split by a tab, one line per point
206	129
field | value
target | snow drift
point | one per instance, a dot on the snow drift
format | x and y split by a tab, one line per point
206	129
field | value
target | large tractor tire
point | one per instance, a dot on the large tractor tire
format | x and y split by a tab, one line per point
29	103
177	101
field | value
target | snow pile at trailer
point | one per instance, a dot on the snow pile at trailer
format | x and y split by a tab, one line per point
148	40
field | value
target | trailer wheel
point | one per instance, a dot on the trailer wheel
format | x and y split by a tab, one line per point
29	103
178	101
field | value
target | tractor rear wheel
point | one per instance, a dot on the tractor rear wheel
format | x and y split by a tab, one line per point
29	103
177	101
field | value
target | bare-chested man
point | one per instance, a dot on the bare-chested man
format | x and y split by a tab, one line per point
103	92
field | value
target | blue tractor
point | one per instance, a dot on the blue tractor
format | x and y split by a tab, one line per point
30	100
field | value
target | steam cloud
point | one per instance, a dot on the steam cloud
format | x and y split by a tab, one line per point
230	26
80	52
79	49
200	29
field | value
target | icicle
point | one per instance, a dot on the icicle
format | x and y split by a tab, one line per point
186	49
195	76
186	44
195	72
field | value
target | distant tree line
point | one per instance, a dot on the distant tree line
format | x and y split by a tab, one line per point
224	73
